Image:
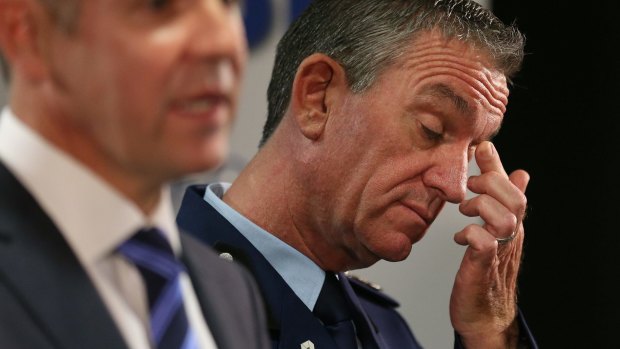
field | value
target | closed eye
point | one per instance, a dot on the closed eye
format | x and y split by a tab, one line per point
430	134
159	4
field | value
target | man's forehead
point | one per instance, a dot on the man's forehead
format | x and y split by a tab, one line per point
452	103
445	92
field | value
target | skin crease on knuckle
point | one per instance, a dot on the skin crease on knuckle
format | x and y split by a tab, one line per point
514	199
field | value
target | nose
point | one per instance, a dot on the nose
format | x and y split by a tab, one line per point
448	173
218	32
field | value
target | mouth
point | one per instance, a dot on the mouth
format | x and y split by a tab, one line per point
422	212
203	104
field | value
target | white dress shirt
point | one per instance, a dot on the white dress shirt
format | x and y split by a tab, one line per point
95	219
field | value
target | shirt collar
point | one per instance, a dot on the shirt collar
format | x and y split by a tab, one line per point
302	275
93	217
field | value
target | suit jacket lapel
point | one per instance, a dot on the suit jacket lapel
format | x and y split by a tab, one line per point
196	259
45	275
291	323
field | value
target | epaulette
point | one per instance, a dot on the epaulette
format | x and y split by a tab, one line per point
371	291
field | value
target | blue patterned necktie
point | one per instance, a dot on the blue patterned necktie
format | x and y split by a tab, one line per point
333	310
151	253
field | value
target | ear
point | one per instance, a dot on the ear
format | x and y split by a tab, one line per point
317	76
20	27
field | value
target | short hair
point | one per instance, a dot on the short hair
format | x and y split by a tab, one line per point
64	12
365	36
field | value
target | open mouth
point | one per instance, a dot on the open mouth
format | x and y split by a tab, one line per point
203	105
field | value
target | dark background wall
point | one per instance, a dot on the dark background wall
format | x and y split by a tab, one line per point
562	126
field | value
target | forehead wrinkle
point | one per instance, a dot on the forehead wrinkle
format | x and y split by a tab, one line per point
443	91
494	94
444	53
496	86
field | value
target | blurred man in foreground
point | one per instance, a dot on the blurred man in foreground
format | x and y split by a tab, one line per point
109	101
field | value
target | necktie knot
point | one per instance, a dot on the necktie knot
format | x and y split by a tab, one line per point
154	238
331	306
333	310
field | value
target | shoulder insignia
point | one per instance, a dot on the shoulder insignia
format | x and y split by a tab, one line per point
370	290
359	279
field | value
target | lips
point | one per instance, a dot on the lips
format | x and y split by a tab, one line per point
207	106
199	105
422	212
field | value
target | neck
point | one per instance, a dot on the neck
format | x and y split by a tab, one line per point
270	193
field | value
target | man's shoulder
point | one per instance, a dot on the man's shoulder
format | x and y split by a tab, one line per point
371	291
228	295
204	256
209	266
382	312
18	208
10	185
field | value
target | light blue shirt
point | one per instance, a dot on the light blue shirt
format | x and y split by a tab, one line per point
302	275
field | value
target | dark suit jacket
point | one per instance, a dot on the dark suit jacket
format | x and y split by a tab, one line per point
48	301
291	323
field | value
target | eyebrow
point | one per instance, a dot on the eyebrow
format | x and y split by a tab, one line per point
445	92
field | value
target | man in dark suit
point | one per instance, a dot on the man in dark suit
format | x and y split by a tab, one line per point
375	110
109	101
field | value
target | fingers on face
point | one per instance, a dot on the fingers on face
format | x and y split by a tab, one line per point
520	178
502	202
488	159
500	221
484	254
483	245
499	187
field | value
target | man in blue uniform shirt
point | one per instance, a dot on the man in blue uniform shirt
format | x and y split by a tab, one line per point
376	108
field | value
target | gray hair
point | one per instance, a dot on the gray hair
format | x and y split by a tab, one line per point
365	36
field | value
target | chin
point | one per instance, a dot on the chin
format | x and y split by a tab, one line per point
393	248
198	163
213	162
212	155
398	255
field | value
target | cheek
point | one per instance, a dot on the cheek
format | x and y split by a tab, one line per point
242	45
382	224
130	111
141	93
394	179
142	63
